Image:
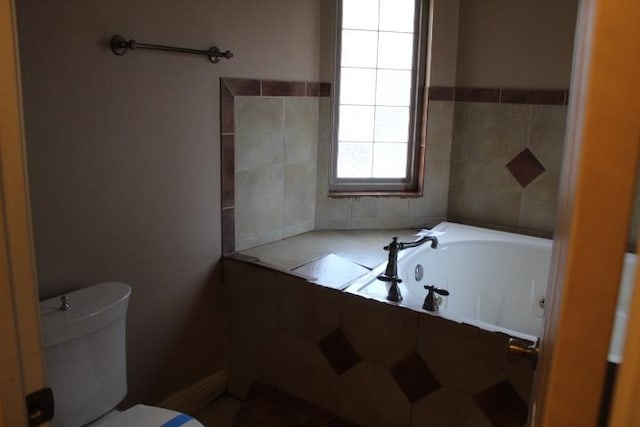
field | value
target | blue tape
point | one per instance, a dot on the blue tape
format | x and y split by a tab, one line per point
177	421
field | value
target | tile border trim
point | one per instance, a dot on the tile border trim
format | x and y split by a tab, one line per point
500	95
230	89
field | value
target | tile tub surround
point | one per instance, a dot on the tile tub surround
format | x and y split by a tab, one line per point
268	145
372	363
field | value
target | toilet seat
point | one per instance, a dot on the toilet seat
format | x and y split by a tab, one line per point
148	416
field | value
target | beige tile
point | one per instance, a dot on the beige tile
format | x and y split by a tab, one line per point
489	133
219	413
446	408
259	203
333	214
251	292
332	271
306	310
546	135
433	203
439	130
381	333
539	203
368	396
365	247
301	129
379	207
296	229
303	371
520	374
463	358
259	133
484	194
299	193
295	251
250	356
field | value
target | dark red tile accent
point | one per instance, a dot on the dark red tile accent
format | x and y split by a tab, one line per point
339	352
566	97
414	377
228	231
227	109
266	406
525	167
227	144
502	405
540	97
470	94
278	88
325	89
243	87
318	89
437	93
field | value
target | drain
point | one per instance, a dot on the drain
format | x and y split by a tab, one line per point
419	272
541	302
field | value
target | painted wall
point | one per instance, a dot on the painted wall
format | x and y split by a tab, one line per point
124	162
518	44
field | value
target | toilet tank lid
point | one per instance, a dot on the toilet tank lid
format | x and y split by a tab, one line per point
91	308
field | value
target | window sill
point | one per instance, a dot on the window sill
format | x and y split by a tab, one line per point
351	194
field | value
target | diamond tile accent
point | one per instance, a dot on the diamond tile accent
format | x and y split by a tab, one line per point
502	405
414	377
339	352
525	167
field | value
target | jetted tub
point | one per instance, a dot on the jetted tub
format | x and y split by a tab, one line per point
497	281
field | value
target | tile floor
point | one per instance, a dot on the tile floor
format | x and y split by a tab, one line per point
220	412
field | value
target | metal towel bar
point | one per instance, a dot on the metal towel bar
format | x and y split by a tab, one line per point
120	46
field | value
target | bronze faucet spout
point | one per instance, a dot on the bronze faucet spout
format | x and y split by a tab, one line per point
391	271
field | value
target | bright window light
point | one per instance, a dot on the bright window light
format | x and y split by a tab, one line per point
376	75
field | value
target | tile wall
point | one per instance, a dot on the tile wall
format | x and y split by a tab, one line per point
269	149
492	159
505	165
374	364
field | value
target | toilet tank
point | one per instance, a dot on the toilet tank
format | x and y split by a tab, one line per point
85	352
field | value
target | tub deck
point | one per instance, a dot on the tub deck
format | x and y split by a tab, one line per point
329	258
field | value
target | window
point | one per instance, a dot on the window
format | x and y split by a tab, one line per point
377	113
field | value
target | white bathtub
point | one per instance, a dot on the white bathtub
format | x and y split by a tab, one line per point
497	281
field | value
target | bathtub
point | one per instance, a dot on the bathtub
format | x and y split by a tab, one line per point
497	281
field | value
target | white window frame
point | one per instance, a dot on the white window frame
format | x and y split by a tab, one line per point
412	184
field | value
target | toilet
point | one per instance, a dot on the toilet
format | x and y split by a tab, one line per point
84	342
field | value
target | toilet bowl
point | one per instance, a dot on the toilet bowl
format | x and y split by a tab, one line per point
84	341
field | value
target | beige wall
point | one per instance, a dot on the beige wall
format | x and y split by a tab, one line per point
124	160
443	46
518	44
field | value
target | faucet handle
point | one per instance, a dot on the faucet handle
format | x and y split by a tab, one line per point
438	291
431	301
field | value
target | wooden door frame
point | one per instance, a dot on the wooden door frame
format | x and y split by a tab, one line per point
603	105
596	196
21	359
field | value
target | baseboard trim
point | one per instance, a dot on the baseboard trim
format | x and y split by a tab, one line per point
198	395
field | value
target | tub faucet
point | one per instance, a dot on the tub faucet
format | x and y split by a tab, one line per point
391	272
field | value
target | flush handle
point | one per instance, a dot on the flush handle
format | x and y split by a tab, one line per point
523	349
